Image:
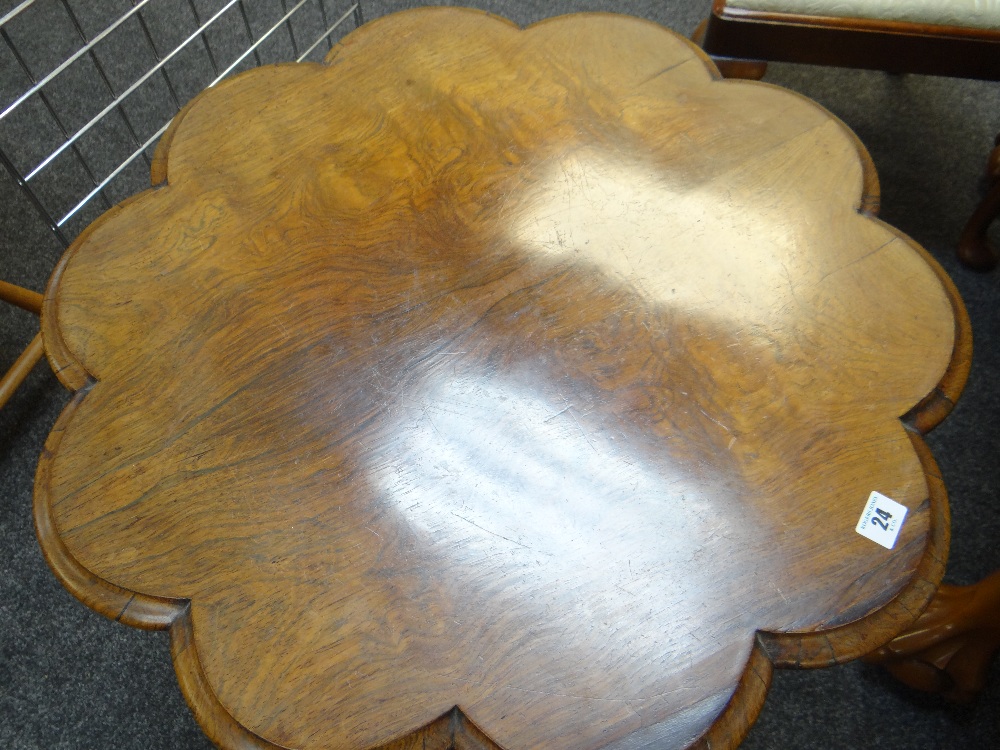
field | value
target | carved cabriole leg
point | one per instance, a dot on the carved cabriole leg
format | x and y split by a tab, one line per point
949	649
731	67
973	248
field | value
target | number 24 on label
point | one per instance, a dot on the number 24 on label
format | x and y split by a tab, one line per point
881	518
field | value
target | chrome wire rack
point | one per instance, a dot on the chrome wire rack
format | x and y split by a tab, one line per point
87	87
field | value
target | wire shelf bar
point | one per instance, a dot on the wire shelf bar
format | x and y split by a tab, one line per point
156	54
257	44
43	212
326	34
121	97
249	30
69	60
117	171
141	151
16	12
204	40
104	77
303	34
52	111
291	31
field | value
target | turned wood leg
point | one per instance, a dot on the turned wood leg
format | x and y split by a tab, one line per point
731	67
21	297
12	379
973	248
32	302
949	649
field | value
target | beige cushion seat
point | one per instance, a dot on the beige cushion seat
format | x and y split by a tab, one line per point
971	14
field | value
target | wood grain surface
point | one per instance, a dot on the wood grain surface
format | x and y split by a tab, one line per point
488	387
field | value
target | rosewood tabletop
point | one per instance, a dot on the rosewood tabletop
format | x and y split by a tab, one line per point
495	387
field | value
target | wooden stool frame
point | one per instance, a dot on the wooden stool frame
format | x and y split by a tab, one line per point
892	46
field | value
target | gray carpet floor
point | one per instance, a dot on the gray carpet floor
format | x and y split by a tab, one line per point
71	679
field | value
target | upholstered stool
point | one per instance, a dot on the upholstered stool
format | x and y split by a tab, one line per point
934	37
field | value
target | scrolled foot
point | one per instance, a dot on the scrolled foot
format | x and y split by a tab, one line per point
949	649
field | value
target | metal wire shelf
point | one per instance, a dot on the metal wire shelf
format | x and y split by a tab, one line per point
100	84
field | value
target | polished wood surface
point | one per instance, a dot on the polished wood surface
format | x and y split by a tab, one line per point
521	388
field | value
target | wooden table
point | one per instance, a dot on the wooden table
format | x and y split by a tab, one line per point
496	387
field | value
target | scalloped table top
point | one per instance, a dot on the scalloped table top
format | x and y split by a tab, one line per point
496	387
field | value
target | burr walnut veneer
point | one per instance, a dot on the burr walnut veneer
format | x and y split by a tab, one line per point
487	387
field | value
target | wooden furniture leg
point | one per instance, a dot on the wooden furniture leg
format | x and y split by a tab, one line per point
973	246
731	67
32	302
950	647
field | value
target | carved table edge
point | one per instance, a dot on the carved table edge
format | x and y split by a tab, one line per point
842	643
938	404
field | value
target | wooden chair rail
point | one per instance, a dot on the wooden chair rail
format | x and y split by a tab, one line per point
32	302
21	297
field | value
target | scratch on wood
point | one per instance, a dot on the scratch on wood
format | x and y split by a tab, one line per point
493	533
561	411
716	421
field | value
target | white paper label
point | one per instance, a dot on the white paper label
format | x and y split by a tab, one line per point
881	520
